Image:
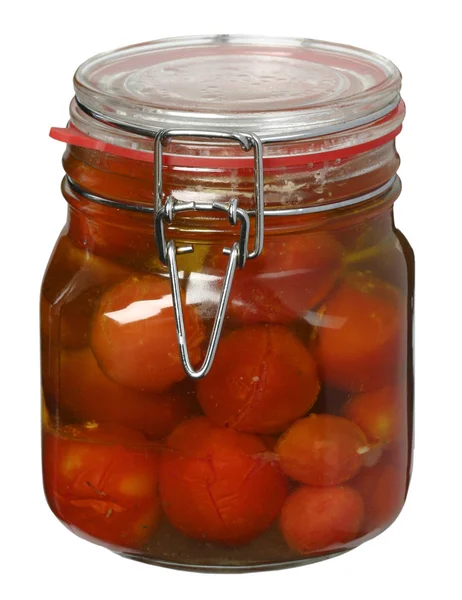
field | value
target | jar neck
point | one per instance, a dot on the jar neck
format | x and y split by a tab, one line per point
131	181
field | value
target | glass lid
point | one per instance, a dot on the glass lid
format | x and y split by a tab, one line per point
277	88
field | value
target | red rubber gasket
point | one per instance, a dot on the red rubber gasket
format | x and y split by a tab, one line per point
72	136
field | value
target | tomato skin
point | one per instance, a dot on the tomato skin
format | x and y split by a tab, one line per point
322	450
101	481
134	335
84	393
219	485
381	414
262	379
361	343
319	519
291	276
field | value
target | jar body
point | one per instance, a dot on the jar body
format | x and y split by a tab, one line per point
297	444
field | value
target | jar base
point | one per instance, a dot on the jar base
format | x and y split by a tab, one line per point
231	568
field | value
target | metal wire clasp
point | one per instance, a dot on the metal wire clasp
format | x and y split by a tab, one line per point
238	253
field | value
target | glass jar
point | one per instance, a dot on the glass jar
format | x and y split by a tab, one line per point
226	318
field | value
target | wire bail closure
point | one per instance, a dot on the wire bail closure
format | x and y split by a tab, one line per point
238	253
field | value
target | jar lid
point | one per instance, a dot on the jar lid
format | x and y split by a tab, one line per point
278	88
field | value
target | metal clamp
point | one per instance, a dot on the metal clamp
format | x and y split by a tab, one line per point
247	142
238	253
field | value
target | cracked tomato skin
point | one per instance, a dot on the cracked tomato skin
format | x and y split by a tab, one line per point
262	379
361	339
319	519
134	335
219	485
101	482
291	276
84	393
322	450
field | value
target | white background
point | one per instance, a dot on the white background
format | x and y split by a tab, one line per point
41	45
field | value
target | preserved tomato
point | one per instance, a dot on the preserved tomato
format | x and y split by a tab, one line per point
319	519
360	337
289	278
254	368
101	481
381	414
133	334
322	450
233	485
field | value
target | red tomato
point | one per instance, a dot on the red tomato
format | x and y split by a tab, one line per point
85	393
73	283
381	414
219	485
291	276
101	481
322	450
361	338
134	335
383	489
262	379
320	519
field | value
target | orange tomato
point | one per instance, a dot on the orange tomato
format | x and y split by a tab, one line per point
291	276
219	485
322	450
101	481
134	335
361	337
320	519
85	393
381	414
262	379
